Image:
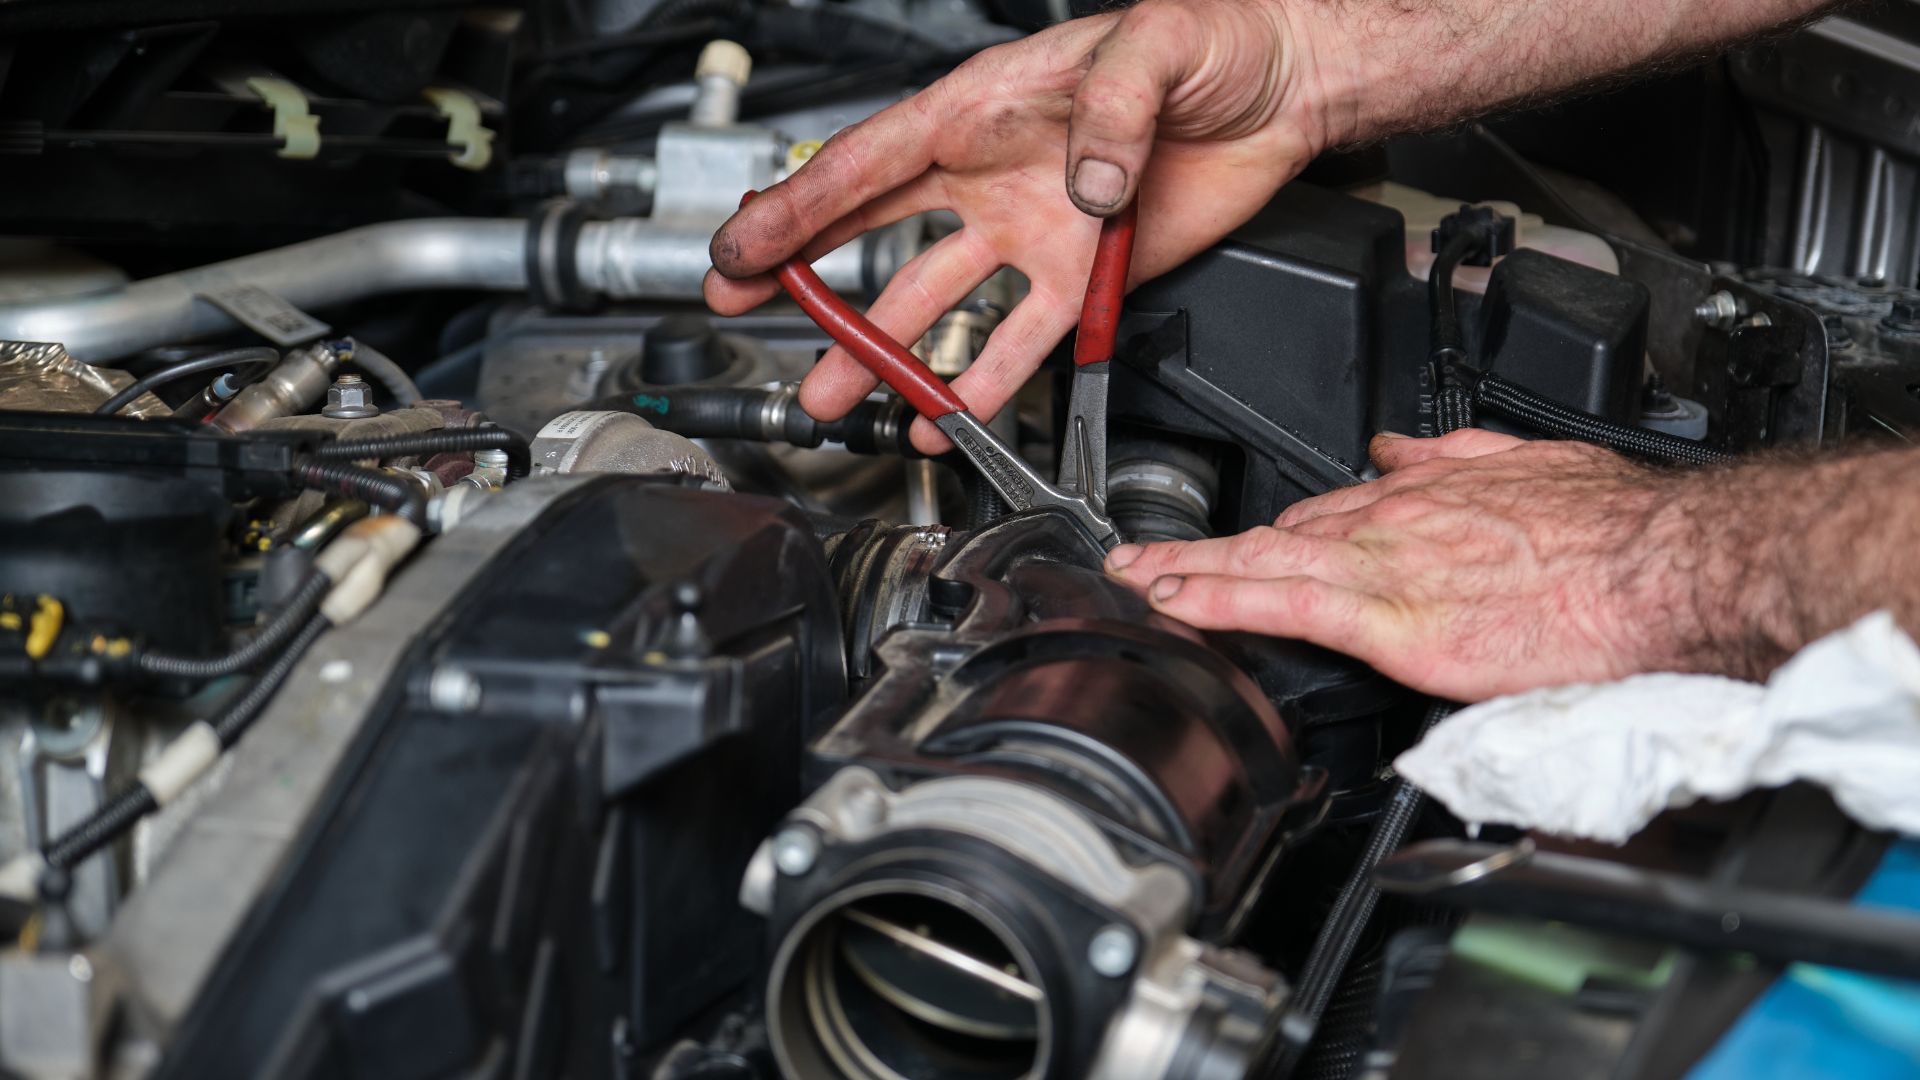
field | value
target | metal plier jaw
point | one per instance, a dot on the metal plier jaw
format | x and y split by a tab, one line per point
1081	491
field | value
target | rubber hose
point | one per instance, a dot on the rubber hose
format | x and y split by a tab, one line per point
1346	1032
270	638
1347	922
422	443
1495	395
239	716
386	372
984	504
120	814
101	828
1454	409
743	412
258	356
1445	343
369	486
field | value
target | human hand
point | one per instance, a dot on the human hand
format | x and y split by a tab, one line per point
1202	107
1478	565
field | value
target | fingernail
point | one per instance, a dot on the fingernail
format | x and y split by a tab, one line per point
1391	435
1122	557
1099	183
1164	588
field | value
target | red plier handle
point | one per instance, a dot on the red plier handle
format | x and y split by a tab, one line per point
1106	288
929	394
1012	477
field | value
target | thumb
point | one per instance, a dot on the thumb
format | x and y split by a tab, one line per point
1390	451
1116	107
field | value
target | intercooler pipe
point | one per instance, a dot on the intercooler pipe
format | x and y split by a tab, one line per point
560	258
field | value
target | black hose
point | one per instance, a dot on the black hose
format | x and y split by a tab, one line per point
1500	397
234	721
385	372
268	640
759	415
1446	344
368	485
101	827
1346	1031
1454	409
258	356
134	802
984	504
431	442
1347	922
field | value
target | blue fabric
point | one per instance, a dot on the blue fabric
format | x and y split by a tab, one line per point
1816	1023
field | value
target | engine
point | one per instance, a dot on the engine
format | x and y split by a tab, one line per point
432	644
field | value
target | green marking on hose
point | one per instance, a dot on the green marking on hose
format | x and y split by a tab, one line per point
648	401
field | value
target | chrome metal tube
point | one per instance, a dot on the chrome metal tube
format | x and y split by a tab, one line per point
621	259
634	258
398	256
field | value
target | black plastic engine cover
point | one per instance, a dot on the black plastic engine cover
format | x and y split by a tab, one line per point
1286	347
539	883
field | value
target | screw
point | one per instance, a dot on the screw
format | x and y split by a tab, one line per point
453	690
1112	951
1904	315
80	968
795	849
1718	310
350	398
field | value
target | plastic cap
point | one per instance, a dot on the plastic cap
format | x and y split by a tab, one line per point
726	59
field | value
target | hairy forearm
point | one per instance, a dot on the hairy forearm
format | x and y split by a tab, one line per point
1760	559
1386	66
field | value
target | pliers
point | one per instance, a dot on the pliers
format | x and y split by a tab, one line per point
1081	494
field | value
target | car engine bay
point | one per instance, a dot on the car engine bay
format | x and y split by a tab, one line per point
434	644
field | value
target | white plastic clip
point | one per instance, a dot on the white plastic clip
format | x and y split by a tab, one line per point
472	142
297	129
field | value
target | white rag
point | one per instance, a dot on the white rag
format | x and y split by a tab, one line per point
1599	761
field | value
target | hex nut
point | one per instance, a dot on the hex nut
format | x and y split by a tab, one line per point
350	398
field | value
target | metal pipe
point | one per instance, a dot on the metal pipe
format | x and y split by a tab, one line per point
622	259
636	258
398	256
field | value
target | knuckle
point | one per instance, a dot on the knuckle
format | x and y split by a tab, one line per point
1256	546
1304	603
1155	18
1402	507
1203	600
1112	108
1154	558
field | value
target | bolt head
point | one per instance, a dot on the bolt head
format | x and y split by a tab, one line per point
1113	950
1904	315
453	690
350	398
1718	310
795	849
